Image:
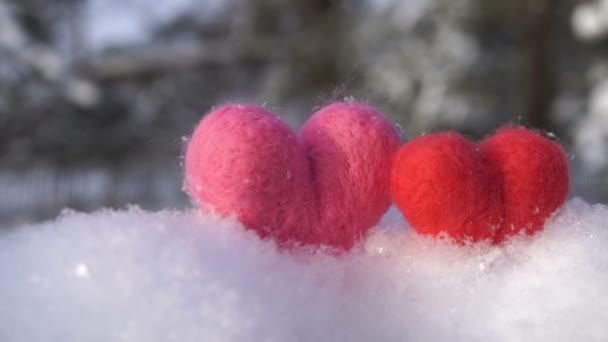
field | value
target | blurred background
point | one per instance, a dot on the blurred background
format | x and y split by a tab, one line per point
96	96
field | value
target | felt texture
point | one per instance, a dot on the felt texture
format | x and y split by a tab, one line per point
508	183
326	186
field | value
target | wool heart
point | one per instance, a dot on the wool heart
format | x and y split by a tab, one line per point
509	182
326	186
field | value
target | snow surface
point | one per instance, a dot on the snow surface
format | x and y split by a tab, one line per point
186	276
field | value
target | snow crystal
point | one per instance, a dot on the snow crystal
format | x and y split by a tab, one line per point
186	276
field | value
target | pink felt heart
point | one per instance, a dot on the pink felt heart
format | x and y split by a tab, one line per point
326	186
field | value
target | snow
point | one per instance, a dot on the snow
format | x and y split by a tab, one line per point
590	20
122	23
133	275
591	134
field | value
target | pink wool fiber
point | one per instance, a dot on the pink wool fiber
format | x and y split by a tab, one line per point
326	186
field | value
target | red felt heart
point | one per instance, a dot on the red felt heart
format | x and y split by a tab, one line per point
326	186
509	182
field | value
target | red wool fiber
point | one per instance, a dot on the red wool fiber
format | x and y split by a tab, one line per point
509	182
326	186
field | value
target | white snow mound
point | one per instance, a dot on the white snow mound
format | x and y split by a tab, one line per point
141	276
